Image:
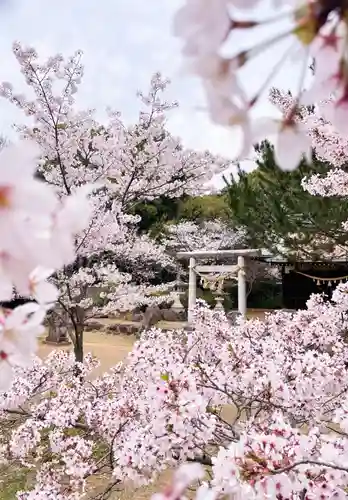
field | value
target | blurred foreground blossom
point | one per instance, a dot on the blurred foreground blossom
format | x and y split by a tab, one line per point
316	30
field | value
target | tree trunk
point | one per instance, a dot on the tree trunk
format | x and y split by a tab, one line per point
79	330
78	344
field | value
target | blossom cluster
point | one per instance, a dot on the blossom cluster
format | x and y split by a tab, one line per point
309	30
127	164
207	235
261	404
329	144
39	232
140	162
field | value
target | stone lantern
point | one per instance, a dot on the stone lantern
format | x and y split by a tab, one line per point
58	327
177	306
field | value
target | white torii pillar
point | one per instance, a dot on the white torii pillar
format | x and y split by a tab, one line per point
242	297
192	288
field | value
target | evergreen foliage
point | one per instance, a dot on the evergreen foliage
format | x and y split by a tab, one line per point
279	215
158	213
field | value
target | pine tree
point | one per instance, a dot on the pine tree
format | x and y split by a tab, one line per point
279	215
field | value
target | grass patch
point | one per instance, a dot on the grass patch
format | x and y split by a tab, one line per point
13	479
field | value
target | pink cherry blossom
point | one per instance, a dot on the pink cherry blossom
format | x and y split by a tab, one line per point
326	140
316	30
40	289
183	477
162	408
291	142
19	330
209	235
115	166
203	29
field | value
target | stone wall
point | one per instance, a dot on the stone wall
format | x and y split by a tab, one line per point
116	328
113	328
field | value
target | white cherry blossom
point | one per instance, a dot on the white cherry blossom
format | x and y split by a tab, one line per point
203	29
291	142
19	330
316	30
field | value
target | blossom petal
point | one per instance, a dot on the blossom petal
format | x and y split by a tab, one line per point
45	292
291	146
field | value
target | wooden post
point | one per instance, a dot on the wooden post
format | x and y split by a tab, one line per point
242	305
191	290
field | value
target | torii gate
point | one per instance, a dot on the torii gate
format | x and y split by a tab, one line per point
230	271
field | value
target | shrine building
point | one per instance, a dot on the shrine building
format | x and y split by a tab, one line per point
301	278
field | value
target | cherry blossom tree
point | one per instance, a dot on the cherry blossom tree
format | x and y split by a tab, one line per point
309	29
207	235
140	161
129	164
236	399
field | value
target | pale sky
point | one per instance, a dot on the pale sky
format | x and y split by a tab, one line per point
124	43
